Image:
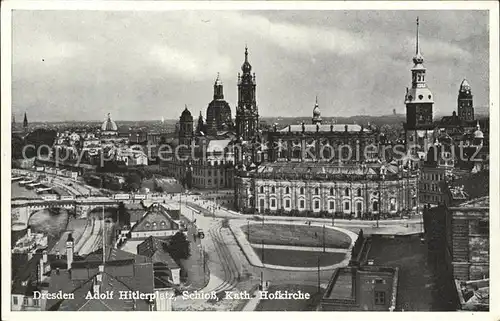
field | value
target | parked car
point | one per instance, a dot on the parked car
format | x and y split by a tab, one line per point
200	233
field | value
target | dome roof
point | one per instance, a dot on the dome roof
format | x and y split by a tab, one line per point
478	133
316	111
109	125
186	115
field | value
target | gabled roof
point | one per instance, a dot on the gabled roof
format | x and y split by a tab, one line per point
139	278
156	213
155	249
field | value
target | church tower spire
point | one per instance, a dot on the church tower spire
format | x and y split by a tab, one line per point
25	122
247	114
419	99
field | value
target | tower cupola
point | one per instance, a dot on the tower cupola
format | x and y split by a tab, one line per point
316	119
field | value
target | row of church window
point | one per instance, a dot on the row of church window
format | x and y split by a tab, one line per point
316	191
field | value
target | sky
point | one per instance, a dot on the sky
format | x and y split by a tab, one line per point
81	65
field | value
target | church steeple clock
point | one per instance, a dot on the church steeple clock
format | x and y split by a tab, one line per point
247	114
465	106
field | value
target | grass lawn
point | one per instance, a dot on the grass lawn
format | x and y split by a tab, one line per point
298	258
291	305
296	235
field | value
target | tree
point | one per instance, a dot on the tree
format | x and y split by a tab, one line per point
123	214
179	247
133	181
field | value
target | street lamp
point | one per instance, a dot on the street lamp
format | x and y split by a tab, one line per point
319	285
324	249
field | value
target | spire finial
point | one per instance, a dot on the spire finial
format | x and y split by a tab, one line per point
417	49
316	100
246	53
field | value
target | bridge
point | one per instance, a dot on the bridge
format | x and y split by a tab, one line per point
23	208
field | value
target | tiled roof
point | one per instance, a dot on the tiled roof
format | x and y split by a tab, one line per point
139	277
156	213
154	248
314	168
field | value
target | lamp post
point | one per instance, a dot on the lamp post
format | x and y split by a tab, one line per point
319	285
324	247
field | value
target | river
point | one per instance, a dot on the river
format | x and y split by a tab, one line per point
52	222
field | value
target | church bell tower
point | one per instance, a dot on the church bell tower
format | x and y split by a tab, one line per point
247	114
419	99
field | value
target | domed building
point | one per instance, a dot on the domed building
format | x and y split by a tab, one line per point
109	131
218	111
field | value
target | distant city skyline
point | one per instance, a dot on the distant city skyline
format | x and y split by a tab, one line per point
80	65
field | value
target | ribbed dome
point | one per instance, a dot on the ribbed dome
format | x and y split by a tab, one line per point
186	115
109	125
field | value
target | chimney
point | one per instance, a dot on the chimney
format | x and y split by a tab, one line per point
45	257
28	232
69	251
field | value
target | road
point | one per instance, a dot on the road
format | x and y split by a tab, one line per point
228	266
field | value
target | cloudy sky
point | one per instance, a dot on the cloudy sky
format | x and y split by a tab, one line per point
80	65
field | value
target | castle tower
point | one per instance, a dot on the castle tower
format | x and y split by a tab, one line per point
316	119
69	250
186	127
419	99
465	106
247	114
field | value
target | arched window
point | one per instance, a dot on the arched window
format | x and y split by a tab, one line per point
301	191
346	192
273	190
375	206
359	192
393	204
154	225
332	192
316	191
148	225
163	223
287	190
261	189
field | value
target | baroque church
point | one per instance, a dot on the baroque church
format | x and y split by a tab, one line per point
213	140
